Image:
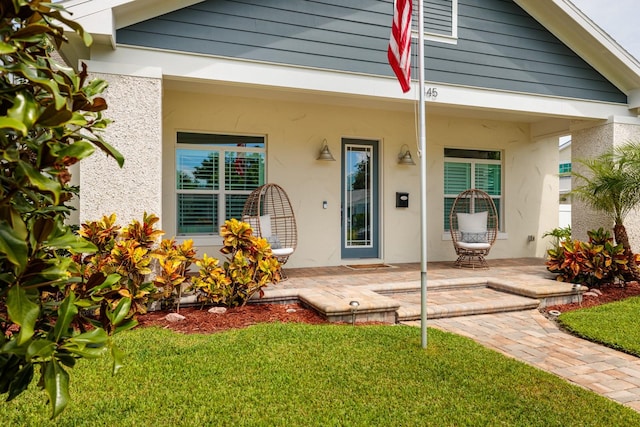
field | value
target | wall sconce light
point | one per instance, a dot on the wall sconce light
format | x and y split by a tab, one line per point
404	158
325	154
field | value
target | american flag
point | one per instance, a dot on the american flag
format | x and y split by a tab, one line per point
399	52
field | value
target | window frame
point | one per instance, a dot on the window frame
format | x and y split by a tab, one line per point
429	34
473	162
218	190
564	168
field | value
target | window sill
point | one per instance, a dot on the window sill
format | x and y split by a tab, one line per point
202	240
501	236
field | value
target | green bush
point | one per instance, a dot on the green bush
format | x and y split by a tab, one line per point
592	263
559	235
50	119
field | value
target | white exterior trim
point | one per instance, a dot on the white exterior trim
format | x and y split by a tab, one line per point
133	70
180	65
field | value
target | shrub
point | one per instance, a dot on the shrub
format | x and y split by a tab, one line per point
122	266
250	266
593	263
174	261
50	119
559	235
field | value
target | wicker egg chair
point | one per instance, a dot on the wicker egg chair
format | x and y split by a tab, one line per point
269	212
473	222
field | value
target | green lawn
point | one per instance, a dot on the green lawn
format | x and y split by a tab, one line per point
327	375
615	324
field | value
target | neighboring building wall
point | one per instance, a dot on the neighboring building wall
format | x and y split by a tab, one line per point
295	132
135	106
590	142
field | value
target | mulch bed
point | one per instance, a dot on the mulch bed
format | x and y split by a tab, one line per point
201	321
610	293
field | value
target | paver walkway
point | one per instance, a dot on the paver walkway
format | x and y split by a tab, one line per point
532	338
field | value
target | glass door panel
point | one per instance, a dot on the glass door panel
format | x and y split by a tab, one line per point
359	199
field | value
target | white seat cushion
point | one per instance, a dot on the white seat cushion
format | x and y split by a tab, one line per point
473	246
282	251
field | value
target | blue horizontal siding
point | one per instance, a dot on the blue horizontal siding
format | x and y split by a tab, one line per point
499	45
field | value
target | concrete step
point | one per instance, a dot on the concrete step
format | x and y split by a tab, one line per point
393	302
461	302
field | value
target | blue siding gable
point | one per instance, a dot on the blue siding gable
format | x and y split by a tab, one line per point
499	45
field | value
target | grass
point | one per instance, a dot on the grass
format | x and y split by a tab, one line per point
614	324
327	375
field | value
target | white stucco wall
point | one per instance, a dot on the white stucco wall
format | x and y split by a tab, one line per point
589	142
135	106
295	132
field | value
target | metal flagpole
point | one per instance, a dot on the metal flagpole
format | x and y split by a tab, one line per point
423	177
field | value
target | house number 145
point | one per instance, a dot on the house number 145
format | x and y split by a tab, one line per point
431	92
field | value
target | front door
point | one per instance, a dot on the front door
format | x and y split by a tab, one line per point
360	216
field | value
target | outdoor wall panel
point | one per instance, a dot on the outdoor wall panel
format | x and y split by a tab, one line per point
499	46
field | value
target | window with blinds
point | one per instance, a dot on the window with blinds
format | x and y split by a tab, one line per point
465	169
440	20
214	175
564	168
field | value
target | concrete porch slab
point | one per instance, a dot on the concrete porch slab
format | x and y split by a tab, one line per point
383	300
335	304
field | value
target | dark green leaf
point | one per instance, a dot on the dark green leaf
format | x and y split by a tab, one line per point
31	30
22	311
9	123
95	87
86	37
40	230
40	350
56	384
13	246
24	109
30	72
20	381
109	150
66	313
121	311
88	352
110	280
78	150
40	181
117	355
95	337
6	48
72	243
126	325
51	117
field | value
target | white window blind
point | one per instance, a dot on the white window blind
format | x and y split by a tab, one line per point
465	169
214	175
